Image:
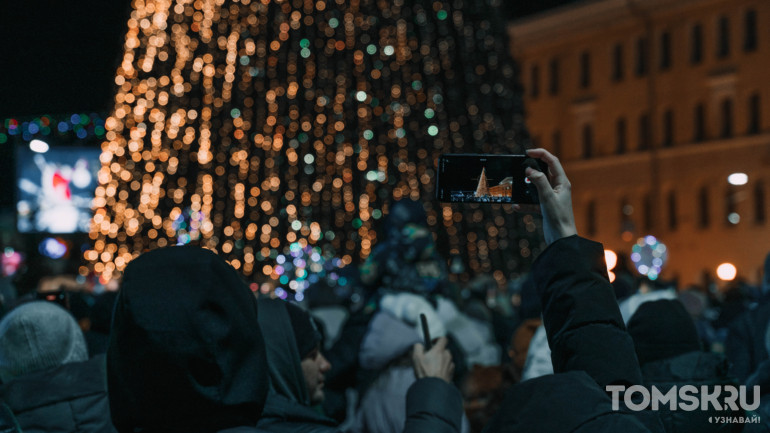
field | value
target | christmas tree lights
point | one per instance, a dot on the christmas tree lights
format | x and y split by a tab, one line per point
257	128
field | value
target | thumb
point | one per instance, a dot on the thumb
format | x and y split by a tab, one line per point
540	180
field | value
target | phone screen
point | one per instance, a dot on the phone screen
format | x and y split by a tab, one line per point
485	178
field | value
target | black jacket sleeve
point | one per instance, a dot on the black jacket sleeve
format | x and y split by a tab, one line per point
433	405
581	316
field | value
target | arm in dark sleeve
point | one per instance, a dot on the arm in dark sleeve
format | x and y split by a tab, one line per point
581	316
433	405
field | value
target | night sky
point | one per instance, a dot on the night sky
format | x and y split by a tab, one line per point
59	57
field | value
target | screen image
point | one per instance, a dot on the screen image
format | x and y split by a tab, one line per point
471	178
55	189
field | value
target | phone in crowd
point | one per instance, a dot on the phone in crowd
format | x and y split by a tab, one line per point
60	297
425	332
486	178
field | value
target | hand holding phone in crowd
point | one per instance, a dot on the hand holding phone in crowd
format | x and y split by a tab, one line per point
436	362
555	193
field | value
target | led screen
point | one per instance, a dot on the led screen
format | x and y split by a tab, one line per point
55	189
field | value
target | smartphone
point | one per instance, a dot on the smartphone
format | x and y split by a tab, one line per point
486	178
425	332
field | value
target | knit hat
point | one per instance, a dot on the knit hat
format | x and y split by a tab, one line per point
306	333
662	329
37	336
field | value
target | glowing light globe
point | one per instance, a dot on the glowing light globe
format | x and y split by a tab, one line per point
649	255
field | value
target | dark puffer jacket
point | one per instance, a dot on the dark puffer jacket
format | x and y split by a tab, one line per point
68	398
590	349
696	369
185	352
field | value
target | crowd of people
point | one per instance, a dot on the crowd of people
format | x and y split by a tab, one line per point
186	346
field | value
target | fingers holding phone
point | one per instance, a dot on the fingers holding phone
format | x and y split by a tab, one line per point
436	362
555	193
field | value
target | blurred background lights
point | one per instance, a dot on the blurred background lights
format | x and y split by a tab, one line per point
53	248
727	272
38	146
11	260
611	258
649	256
235	128
738	179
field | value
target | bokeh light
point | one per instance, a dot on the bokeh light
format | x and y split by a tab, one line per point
727	271
649	256
252	128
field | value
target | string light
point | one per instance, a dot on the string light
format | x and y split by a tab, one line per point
254	127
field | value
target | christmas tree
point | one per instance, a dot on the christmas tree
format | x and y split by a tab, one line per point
260	128
482	189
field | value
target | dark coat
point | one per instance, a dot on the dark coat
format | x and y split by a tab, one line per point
745	343
590	349
185	352
68	398
697	369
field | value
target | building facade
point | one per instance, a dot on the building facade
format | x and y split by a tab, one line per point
651	105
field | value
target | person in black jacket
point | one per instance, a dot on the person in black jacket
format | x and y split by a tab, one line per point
590	346
185	351
48	381
297	370
669	352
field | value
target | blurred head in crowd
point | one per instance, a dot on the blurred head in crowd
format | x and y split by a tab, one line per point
38	336
662	329
403	212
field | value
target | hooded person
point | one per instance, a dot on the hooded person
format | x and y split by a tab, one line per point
296	368
48	382
406	260
297	377
669	352
185	351
385	348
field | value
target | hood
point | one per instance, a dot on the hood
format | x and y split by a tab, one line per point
185	351
288	399
286	378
